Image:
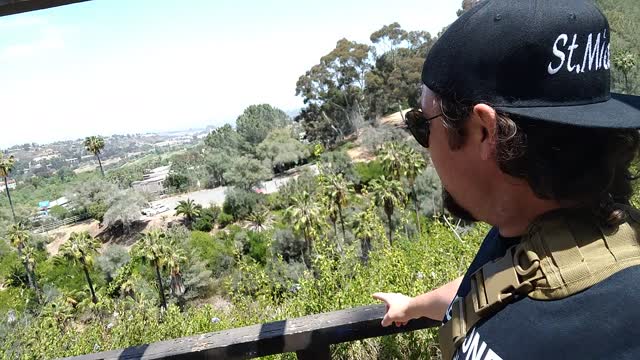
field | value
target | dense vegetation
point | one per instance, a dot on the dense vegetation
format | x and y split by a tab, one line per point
325	241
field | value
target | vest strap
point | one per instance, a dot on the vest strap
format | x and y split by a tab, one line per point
563	252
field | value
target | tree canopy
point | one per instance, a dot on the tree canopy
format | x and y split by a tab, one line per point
258	120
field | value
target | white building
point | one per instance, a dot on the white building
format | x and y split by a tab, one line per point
10	182
153	182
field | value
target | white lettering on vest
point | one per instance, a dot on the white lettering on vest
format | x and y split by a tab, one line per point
492	356
472	350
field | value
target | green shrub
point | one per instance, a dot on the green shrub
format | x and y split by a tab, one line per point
207	219
224	219
368	171
240	203
256	245
216	252
59	212
97	210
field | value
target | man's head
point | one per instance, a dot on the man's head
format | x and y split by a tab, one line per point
526	113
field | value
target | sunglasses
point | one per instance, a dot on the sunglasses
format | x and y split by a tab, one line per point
418	125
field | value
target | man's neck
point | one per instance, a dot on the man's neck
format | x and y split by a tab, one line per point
517	208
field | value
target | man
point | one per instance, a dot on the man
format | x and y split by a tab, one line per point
525	135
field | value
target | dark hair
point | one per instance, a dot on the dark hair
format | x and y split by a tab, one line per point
576	166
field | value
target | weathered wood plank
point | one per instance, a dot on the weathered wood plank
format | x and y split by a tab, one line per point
278	337
10	7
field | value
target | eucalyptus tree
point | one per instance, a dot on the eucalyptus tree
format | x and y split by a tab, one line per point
81	248
6	166
94	145
152	249
304	215
389	195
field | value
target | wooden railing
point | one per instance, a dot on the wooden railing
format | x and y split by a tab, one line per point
10	7
59	223
309	337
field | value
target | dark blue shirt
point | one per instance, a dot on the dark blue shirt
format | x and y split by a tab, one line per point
602	322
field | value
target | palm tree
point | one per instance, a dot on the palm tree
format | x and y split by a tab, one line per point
6	165
337	190
189	209
174	259
364	229
94	145
304	215
29	260
81	249
413	164
18	237
392	157
388	194
152	249
259	219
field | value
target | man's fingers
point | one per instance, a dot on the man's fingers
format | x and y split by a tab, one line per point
380	296
386	321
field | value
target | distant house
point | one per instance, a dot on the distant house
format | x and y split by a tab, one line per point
11	184
153	181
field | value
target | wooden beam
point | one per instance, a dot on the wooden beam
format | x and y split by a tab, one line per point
10	7
303	335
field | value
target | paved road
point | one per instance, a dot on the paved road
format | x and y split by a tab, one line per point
216	196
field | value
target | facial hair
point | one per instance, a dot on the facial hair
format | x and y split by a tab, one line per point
455	208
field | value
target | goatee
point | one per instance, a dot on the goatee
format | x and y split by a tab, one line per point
456	209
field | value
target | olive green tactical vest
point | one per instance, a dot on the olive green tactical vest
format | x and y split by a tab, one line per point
562	253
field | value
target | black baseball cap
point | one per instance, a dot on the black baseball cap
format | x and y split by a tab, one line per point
541	59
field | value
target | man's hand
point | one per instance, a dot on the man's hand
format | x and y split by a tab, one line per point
397	308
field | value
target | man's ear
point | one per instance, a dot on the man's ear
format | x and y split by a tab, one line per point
485	118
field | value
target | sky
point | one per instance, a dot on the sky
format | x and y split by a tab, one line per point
107	67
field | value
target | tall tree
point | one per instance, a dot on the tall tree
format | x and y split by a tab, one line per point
392	157
394	82
257	121
280	148
81	248
247	173
304	215
217	163
334	89
152	249
174	258
6	165
364	229
226	139
94	145
189	209
18	237
388	194
337	190
413	165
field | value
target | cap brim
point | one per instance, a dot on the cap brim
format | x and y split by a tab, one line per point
619	112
